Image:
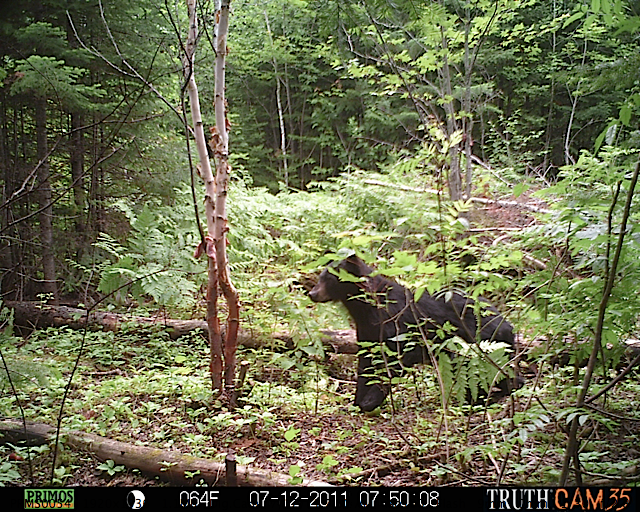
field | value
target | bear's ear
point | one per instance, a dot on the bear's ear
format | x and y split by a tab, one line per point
354	265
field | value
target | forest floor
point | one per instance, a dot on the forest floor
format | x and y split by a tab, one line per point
142	388
339	445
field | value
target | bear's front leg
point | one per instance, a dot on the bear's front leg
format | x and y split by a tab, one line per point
369	396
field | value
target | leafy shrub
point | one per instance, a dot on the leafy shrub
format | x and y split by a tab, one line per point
578	241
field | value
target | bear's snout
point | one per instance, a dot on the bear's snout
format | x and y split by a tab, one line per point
319	294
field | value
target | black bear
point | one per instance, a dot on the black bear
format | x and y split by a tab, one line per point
383	311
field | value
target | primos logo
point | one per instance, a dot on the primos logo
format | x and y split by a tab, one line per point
48	498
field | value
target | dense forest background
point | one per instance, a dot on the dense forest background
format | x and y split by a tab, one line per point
314	91
356	125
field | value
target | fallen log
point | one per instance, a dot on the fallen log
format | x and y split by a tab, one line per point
169	466
480	200
35	315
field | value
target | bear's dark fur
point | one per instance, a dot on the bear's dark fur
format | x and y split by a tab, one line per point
383	310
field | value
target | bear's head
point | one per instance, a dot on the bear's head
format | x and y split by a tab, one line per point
341	280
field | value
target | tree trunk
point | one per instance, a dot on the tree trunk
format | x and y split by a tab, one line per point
46	214
454	178
213	323
8	276
283	137
574	98
547	160
76	158
96	200
467	120
216	189
221	150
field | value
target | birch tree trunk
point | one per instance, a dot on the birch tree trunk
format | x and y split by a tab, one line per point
223	352
220	143
213	323
283	138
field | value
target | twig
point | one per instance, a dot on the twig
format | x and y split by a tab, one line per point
614	381
611	414
572	443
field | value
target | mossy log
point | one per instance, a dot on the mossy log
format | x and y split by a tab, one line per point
35	315
169	466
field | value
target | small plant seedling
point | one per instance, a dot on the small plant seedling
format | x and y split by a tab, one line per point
110	467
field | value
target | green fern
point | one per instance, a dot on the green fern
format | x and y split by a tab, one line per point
445	369
473	369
